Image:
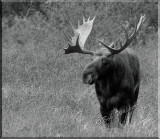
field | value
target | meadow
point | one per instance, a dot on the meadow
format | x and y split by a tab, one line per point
42	90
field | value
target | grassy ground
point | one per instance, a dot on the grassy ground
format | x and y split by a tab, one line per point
42	92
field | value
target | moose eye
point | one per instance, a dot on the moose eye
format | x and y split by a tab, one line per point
105	61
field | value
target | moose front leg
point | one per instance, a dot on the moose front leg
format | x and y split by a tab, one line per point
106	114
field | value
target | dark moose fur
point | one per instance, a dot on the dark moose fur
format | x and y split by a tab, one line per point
115	72
117	80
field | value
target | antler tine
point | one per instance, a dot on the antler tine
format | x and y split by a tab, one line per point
128	40
81	34
72	26
68	36
108	47
142	19
83	20
71	48
125	31
88	18
94	18
78	23
137	27
126	34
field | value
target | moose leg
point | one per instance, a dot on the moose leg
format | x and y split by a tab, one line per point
136	93
133	106
131	113
106	114
123	116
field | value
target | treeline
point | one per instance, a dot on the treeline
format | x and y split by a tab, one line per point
120	10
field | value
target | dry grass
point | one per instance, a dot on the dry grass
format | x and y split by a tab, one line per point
43	95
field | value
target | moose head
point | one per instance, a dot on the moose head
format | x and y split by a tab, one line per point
104	60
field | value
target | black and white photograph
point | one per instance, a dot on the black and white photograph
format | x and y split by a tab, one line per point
80	68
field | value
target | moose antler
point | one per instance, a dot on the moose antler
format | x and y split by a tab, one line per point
76	43
128	40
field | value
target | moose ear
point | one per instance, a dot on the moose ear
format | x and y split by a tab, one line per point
105	61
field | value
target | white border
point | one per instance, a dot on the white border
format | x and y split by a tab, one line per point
158	37
159	70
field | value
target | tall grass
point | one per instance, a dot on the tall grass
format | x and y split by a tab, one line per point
42	92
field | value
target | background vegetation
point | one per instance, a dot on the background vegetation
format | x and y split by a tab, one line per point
42	91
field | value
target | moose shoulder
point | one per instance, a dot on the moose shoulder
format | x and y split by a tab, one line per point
115	72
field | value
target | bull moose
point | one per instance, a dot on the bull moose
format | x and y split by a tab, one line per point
115	72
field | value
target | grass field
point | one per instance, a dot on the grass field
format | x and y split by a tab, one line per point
42	91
